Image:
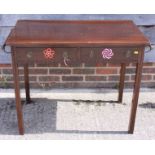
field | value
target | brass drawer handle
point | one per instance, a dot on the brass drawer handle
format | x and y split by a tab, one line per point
66	58
136	52
29	55
130	53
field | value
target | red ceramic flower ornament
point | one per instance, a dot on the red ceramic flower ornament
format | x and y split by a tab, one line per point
49	53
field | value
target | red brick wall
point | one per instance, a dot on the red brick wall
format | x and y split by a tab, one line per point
82	77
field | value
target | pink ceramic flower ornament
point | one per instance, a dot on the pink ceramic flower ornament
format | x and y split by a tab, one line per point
107	53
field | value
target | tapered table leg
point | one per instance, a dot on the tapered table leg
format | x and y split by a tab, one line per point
135	97
27	86
17	95
121	82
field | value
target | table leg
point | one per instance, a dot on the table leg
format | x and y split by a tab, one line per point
27	86
17	95
135	97
121	82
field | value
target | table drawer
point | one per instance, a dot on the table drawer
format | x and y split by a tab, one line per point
63	56
75	56
94	56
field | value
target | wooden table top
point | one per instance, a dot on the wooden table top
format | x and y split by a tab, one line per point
73	33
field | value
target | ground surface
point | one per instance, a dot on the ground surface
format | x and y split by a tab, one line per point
62	114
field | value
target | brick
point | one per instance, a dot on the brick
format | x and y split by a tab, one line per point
34	71
153	77
49	78
72	78
132	77
101	65
21	78
7	71
21	71
95	78
117	78
129	85
5	78
5	65
38	71
30	65
9	78
148	70
106	71
113	65
130	71
113	78
83	71
7	85
148	64
144	77
40	85
145	64
60	71
31	78
75	64
47	65
148	84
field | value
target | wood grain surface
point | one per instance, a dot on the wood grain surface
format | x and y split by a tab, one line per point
62	32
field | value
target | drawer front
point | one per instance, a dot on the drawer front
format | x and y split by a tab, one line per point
63	56
75	56
95	56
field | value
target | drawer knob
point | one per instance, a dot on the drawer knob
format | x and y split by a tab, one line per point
107	53
49	53
136	52
66	58
29	55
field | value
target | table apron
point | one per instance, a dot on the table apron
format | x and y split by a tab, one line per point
74	56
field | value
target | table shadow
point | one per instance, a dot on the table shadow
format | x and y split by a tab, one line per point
39	117
147	105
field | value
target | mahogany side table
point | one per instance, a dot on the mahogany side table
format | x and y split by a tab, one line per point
71	43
